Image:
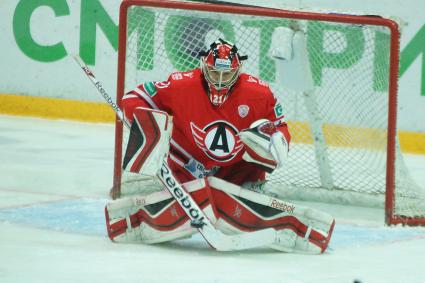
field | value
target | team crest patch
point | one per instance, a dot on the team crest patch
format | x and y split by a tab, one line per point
219	140
243	110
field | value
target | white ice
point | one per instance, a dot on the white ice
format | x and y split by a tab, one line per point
54	182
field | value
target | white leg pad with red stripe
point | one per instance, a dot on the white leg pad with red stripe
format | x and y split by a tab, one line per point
298	229
157	217
154	217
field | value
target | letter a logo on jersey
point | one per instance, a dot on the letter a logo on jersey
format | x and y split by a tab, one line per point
219	140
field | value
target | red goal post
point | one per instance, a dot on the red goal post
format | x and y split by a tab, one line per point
152	44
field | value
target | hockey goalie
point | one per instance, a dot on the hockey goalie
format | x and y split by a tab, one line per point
220	131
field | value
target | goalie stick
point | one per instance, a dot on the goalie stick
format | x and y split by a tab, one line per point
214	237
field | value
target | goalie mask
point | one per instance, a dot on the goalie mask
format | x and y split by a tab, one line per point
221	66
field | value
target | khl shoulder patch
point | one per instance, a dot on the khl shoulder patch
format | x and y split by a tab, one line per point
278	110
150	88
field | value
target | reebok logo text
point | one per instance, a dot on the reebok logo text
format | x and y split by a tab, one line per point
289	208
180	195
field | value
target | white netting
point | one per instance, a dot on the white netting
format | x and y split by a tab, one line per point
342	160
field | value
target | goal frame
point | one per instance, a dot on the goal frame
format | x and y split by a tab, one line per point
390	218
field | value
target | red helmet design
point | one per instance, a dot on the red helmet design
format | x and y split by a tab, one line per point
221	66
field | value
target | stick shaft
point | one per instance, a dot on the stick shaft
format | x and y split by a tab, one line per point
101	90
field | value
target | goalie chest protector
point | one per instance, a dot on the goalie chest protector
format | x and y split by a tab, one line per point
209	133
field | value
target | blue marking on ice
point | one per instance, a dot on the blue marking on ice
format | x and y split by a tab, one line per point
86	216
349	235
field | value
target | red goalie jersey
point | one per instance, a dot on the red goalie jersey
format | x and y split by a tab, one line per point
226	124
205	137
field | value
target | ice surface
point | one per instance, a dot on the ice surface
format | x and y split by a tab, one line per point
55	177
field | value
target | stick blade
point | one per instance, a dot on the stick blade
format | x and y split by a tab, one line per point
249	240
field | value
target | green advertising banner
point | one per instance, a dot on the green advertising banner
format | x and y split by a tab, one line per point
38	37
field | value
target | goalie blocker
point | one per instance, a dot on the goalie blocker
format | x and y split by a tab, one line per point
148	142
158	217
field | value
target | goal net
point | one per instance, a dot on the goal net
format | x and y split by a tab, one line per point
344	142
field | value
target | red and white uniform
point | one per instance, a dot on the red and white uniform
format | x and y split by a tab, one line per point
205	142
205	137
